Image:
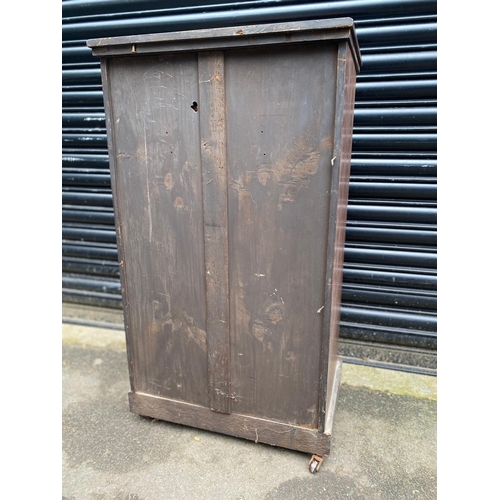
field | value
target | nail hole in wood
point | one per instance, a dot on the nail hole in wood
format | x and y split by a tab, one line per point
194	106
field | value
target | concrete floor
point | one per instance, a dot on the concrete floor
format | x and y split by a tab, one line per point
384	441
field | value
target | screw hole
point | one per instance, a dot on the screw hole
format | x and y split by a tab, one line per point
194	106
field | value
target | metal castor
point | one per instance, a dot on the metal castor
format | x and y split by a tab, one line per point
315	463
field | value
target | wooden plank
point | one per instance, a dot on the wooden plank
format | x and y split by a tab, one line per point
158	190
308	26
242	40
279	150
228	37
125	284
212	111
248	427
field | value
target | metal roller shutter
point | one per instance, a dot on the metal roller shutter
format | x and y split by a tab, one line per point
389	292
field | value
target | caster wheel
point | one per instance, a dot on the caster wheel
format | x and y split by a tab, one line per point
315	463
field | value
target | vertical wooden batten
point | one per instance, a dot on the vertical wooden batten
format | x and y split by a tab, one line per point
212	110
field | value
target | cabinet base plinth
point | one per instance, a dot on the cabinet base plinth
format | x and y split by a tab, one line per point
248	427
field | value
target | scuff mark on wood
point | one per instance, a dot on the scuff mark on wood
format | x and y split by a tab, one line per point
179	203
259	331
169	181
296	167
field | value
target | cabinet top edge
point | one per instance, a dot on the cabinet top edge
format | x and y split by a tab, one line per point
229	37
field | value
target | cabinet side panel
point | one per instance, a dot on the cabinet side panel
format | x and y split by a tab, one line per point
345	98
158	184
279	150
112	167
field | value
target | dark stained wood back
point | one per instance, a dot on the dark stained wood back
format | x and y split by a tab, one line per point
230	170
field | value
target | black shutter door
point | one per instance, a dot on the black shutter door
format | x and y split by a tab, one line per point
389	291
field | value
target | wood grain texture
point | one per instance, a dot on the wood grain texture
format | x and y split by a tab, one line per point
159	192
125	284
212	110
279	150
243	426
